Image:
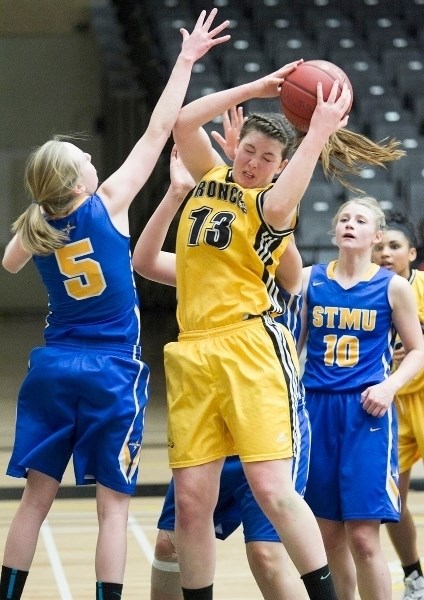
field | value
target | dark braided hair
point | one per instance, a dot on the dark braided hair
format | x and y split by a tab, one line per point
274	125
400	222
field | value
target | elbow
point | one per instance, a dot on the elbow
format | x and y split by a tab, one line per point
143	268
181	125
138	266
276	219
10	267
176	131
279	214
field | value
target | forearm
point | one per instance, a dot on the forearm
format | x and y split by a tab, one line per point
131	176
169	104
205	109
148	258
15	256
408	368
293	182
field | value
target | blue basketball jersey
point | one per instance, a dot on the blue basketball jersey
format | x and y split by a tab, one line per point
86	390
349	348
290	318
90	285
350	331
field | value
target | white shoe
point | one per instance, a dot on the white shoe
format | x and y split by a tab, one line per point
414	587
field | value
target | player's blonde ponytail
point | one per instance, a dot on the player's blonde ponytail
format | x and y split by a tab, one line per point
51	175
37	236
346	152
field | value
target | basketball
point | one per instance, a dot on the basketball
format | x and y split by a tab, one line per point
298	94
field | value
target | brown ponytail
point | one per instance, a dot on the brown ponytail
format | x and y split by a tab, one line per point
346	152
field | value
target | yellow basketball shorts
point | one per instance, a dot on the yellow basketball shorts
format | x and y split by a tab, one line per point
232	390
410	410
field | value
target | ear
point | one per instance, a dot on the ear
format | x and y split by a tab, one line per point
79	189
282	166
378	237
412	254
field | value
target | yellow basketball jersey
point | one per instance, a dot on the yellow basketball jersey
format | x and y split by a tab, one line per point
417	283
226	255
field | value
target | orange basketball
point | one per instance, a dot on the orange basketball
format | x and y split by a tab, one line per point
298	94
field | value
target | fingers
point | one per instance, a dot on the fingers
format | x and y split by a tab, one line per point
371	405
218	29
226	120
343	100
346	95
333	92
233	119
206	24
288	68
184	33
201	20
238	116
218	138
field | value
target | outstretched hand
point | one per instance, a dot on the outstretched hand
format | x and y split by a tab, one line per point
181	180
269	86
332	114
196	44
232	122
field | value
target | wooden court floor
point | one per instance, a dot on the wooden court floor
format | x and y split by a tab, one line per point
63	565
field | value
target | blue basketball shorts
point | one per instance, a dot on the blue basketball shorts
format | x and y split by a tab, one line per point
353	472
85	402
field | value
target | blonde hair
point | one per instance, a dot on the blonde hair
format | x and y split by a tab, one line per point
346	152
367	201
51	174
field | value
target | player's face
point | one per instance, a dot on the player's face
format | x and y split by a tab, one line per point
394	252
88	174
356	228
258	159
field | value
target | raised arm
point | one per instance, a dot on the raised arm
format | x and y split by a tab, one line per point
149	260
192	140
121	187
329	116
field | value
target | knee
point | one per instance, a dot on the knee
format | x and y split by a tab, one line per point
262	559
277	503
362	545
165	575
193	507
111	505
165	547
